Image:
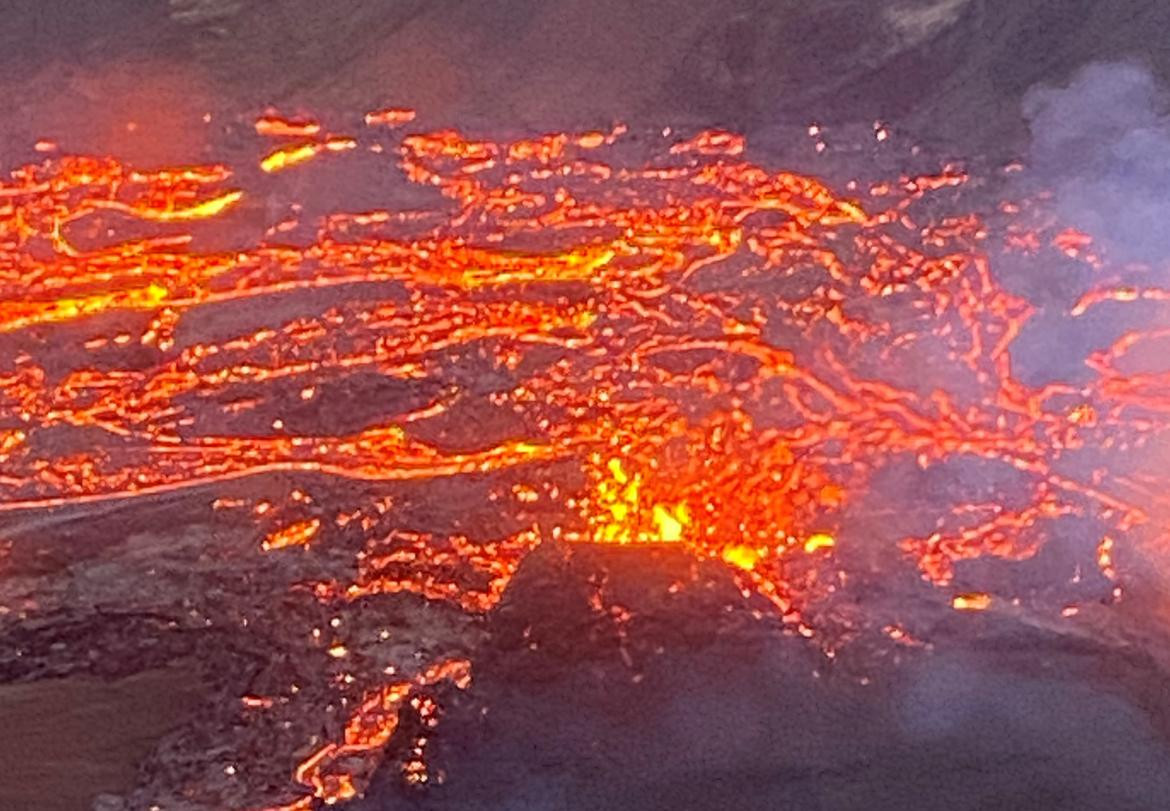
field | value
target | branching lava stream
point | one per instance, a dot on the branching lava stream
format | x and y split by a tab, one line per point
732	357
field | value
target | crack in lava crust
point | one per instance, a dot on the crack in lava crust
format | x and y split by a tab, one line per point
731	356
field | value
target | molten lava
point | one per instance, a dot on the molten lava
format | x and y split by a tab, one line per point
733	357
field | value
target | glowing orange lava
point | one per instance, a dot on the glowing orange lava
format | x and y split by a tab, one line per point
730	355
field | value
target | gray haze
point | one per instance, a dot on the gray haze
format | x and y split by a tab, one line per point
1103	143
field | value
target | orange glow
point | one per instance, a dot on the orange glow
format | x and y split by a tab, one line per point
275	125
256	702
391	116
626	518
671	523
287	156
199	211
1105	558
818	541
297	534
664	344
368	730
338	143
1073	243
741	556
974	601
729	467
25	314
715	142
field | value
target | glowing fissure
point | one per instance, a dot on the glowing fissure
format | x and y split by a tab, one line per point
730	354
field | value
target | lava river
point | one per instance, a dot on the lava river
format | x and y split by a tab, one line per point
633	340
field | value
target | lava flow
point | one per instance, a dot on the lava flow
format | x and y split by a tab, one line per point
731	359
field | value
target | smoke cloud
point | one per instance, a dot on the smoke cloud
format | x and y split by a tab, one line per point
1103	144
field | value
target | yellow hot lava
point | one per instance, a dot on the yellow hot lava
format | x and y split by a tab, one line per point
742	556
972	601
656	295
623	518
297	534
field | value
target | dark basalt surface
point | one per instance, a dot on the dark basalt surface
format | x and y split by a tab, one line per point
700	707
123	648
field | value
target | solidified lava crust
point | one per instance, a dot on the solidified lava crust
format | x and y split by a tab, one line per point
309	458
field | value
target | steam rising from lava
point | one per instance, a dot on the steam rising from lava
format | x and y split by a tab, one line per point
808	385
1103	143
